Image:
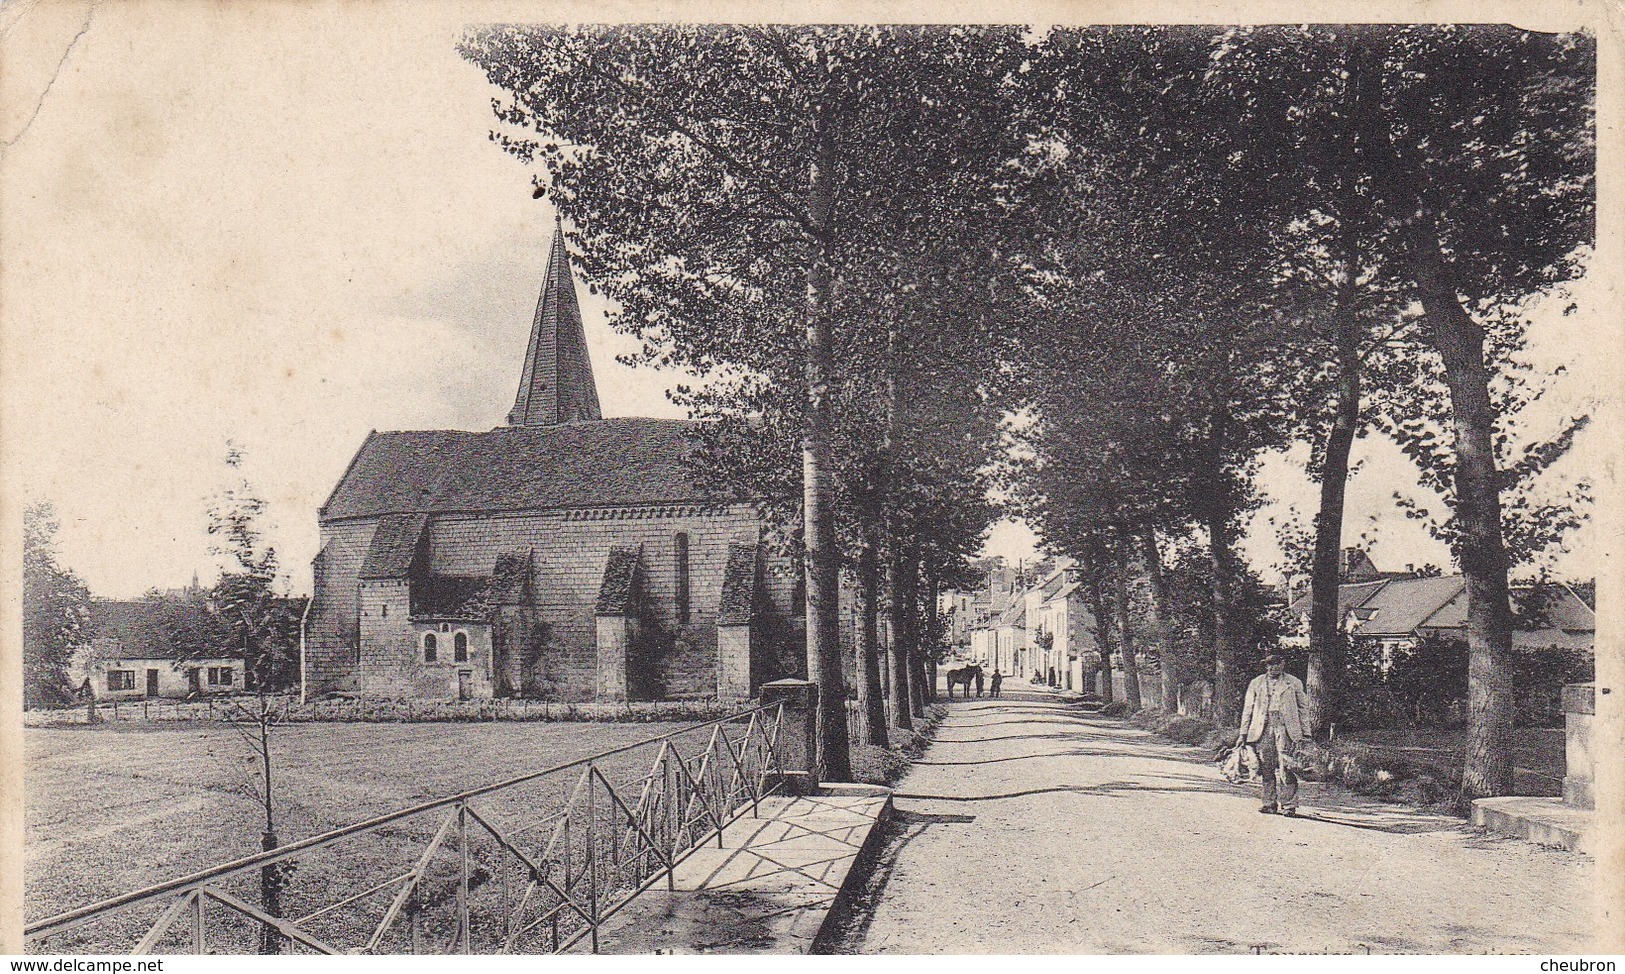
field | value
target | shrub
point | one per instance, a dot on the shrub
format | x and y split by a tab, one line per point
872	765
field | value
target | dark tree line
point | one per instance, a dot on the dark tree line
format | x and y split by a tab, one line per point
1145	255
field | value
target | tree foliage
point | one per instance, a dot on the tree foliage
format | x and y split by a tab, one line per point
56	611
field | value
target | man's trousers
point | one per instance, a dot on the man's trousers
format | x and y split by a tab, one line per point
1279	784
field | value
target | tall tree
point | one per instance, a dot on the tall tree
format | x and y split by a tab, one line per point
1157	254
1484	159
709	170
56	611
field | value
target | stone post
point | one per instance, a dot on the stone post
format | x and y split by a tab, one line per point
1579	709
798	732
616	634
733	662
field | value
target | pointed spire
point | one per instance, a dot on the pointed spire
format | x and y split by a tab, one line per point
556	385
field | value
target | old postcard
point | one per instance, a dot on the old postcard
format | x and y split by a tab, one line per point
559	478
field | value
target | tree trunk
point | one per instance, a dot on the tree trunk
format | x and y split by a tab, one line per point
270	896
933	641
1125	628
897	607
1226	702
1325	638
1151	558
870	691
1480	546
913	645
1102	611
270	875
818	500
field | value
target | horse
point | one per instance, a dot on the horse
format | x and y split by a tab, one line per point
964	676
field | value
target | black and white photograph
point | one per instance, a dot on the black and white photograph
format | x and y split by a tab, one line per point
840	480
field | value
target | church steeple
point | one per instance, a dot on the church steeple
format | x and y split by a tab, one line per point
557	384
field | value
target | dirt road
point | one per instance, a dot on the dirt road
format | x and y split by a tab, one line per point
1031	827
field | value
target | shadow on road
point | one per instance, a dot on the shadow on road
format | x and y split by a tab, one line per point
851	925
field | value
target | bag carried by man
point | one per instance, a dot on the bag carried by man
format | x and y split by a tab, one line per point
1239	765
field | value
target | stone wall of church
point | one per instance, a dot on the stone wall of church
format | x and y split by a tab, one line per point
569	552
351	645
332	627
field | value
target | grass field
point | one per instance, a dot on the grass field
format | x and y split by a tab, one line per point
116	807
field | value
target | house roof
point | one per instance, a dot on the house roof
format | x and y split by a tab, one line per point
1571	623
1349	597
1015	614
1064	592
1403	605
596	463
450	597
145	628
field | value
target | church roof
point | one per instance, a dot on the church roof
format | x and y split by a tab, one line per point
556	385
600	463
394	547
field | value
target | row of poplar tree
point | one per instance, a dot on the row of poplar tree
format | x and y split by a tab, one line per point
1103	269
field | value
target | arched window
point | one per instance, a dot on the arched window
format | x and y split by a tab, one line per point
682	577
459	647
430	646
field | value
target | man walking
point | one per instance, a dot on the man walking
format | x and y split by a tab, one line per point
1275	719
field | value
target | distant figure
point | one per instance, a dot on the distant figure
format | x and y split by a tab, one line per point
998	681
1274	720
978	681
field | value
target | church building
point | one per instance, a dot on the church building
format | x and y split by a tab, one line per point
563	556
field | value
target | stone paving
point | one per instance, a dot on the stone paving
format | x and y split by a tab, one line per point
767	889
1031	826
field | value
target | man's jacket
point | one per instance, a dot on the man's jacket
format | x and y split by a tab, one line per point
1294	708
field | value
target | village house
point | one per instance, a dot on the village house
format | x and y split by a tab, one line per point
1067	626
1399	611
132	654
1033	629
1419	624
563	555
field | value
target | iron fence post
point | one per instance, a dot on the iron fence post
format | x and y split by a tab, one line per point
667	826
462	888
592	860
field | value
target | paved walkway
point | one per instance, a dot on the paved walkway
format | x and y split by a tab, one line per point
766	888
1032	827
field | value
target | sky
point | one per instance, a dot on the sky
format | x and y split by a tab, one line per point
284	225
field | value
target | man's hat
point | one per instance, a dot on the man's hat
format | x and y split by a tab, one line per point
1274	658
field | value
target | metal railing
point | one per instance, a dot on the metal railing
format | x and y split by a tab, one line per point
534	864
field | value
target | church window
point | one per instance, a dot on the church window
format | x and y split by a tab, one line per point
430	647
459	647
682	577
386	612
